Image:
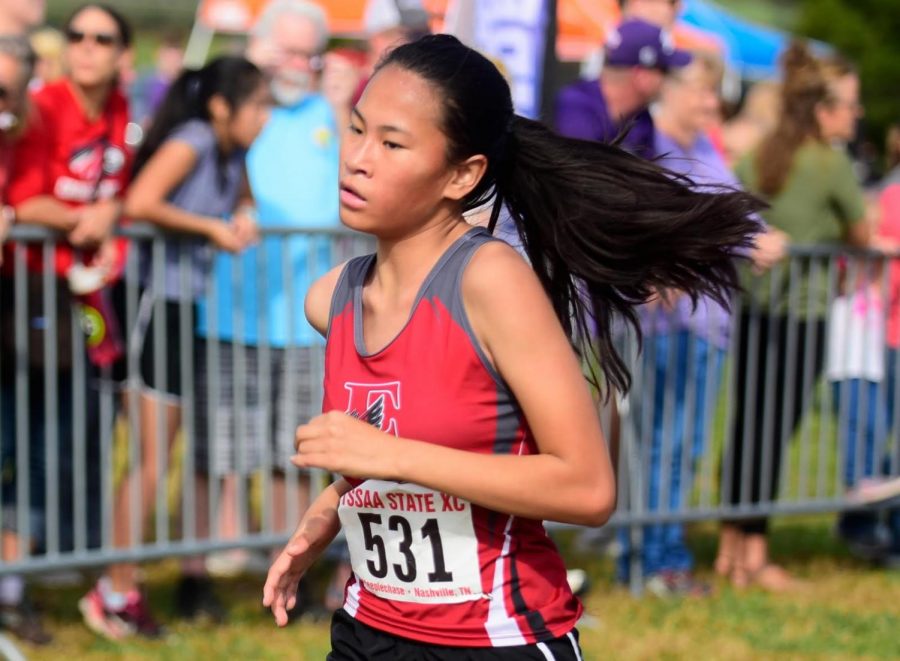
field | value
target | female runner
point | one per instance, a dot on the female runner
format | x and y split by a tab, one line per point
455	406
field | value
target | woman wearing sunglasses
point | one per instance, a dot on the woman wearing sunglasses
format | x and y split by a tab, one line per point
72	168
70	171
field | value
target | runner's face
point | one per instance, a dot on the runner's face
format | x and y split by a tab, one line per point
95	52
394	168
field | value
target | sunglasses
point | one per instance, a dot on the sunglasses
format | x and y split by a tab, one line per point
99	38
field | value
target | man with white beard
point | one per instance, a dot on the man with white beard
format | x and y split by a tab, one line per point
292	169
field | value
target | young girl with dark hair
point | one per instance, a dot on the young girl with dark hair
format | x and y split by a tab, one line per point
455	406
189	178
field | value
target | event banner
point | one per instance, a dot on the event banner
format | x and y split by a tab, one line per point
511	32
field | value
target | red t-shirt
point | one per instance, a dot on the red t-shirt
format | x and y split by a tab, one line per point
71	157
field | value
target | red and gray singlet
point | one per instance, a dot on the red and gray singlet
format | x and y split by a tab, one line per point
429	566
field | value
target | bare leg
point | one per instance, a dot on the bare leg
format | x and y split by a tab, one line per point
9	546
124	576
195	565
228	511
730	543
755	568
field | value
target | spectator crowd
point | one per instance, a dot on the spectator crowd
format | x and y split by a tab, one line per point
250	142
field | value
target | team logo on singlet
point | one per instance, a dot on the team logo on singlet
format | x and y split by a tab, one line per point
375	403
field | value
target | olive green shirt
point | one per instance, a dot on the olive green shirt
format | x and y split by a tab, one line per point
820	200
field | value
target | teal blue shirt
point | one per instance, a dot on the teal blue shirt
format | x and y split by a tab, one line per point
293	171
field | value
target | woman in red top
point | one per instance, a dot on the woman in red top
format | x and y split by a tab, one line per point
456	409
73	162
69	174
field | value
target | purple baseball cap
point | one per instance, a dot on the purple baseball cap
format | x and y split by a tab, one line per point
637	43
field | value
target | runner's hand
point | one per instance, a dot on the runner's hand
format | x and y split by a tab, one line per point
343	444
304	547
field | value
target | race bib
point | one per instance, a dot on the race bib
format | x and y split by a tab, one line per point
411	543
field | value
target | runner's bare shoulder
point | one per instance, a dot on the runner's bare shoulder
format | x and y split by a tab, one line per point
318	299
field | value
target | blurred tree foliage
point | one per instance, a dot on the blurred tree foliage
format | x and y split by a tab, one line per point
144	14
867	32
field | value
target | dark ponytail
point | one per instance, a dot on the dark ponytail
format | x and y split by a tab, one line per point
603	229
235	79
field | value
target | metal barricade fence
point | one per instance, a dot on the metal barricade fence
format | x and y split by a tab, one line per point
780	406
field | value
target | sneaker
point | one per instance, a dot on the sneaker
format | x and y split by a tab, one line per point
229	564
891	561
134	619
667	584
195	599
23	622
100	619
866	542
137	616
578	581
875	490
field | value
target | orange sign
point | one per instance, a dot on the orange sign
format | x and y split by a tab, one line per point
344	16
583	24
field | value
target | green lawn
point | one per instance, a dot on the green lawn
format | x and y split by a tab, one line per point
848	610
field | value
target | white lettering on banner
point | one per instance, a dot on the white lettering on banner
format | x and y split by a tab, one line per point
513	31
411	543
75	190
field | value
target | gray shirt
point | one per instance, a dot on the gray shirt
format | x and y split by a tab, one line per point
210	189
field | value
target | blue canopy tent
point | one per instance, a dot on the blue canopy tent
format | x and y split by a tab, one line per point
751	50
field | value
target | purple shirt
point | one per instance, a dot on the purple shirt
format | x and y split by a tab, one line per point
581	112
705	167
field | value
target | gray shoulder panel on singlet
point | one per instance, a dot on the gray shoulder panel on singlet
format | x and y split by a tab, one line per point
353	276
446	286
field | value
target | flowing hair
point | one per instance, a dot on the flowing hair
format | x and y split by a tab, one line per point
603	229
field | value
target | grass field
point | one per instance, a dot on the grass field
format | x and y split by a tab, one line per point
847	610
